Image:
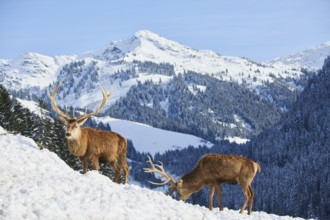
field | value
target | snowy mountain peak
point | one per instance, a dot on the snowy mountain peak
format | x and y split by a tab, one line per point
32	55
144	45
150	39
147	34
311	59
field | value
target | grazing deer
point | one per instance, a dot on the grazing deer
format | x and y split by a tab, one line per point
211	170
93	145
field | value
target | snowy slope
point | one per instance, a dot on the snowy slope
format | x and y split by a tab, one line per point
311	59
33	107
31	69
36	184
152	140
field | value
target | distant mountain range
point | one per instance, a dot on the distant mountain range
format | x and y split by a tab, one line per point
33	69
160	82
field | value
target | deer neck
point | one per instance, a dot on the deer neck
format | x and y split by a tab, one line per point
192	180
76	144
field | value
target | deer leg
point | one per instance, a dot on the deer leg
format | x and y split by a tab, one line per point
251	200
123	165
117	170
84	162
95	163
211	193
126	172
218	191
113	164
117	176
246	197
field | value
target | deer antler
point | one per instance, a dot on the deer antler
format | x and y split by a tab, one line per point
63	115
106	96
160	171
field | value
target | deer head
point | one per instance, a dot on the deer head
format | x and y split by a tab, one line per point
73	124
179	186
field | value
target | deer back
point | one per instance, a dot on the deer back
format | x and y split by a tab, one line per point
221	168
103	143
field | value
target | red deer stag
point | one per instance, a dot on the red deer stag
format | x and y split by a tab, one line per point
211	170
92	145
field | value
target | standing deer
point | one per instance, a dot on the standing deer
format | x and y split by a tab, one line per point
93	145
211	170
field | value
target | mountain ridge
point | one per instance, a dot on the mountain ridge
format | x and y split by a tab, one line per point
148	46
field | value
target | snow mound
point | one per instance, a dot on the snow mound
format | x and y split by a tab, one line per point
36	184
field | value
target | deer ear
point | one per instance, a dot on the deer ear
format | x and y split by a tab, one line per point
179	182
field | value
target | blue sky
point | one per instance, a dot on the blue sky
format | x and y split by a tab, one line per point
257	29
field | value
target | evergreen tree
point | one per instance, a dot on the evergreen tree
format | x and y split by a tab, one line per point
18	120
6	104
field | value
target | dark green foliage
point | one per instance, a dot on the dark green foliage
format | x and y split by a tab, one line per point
154	68
17	119
295	154
6	105
221	109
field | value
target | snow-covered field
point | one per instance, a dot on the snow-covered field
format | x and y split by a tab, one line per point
158	140
36	184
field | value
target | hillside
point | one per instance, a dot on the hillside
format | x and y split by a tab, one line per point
36	184
295	153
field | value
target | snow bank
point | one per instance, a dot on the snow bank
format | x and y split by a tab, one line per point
36	184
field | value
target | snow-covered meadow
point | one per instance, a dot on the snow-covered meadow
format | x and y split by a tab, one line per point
36	184
158	140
